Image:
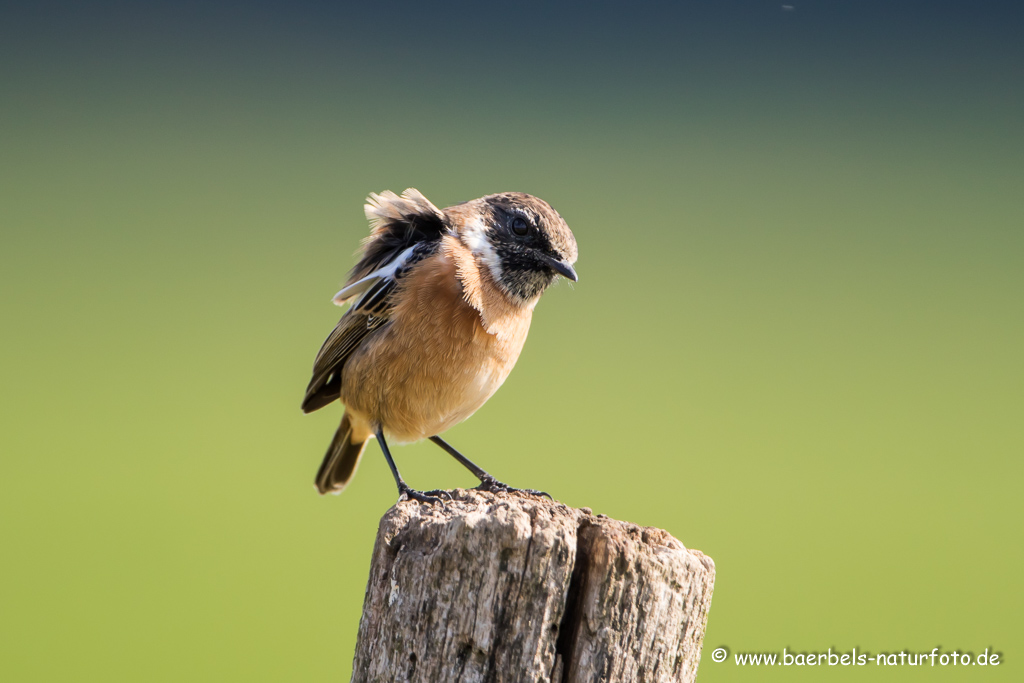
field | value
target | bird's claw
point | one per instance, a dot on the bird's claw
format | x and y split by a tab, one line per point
421	496
492	485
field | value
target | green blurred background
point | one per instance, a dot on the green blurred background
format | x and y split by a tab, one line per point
796	342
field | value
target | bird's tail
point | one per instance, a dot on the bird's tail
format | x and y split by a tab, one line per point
342	457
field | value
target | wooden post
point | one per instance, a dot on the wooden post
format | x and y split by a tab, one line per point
508	587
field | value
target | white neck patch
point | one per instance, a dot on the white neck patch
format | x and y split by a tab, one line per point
474	235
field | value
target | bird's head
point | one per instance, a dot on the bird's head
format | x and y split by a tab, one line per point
519	239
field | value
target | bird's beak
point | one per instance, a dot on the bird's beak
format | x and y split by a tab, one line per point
561	267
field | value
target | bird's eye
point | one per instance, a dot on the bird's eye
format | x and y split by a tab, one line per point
519	226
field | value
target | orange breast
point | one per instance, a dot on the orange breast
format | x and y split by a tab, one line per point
436	364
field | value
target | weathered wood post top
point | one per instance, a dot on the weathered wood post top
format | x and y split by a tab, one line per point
509	587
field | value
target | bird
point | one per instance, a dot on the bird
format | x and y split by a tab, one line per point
439	307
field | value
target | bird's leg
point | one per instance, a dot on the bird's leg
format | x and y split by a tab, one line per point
403	488
487	482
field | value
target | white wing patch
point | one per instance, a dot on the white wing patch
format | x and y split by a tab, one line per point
362	285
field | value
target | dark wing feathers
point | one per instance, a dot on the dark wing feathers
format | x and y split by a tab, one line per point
397	236
398	224
377	300
325	386
320	394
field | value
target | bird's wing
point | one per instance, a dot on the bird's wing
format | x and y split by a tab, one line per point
405	230
371	282
325	386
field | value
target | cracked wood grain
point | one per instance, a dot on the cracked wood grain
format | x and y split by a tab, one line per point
507	588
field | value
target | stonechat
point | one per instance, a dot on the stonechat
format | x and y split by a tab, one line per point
440	306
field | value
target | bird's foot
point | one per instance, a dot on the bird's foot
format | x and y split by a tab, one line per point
404	491
492	485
